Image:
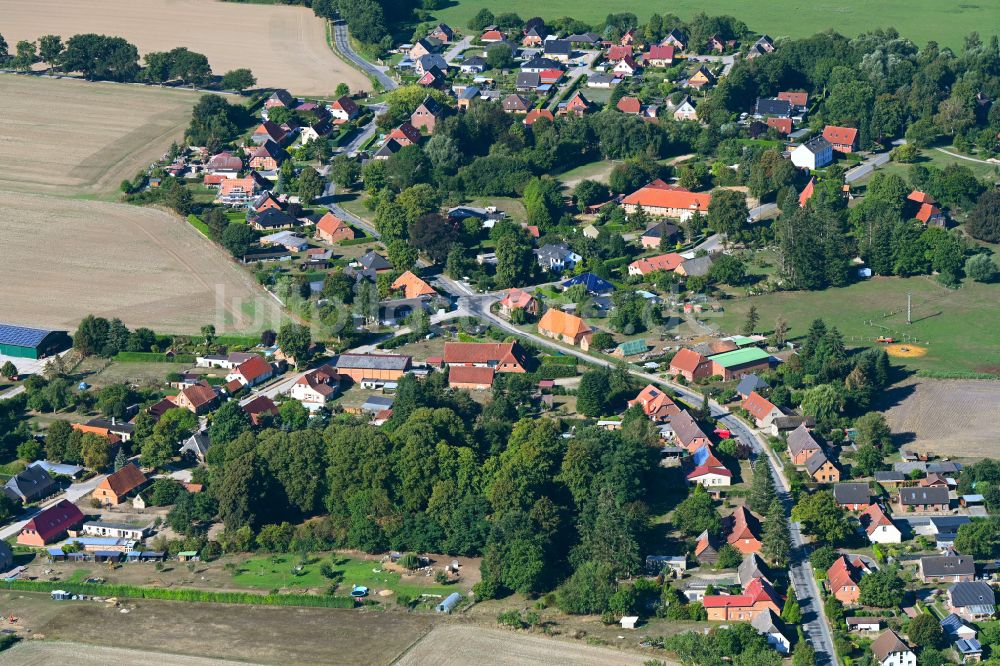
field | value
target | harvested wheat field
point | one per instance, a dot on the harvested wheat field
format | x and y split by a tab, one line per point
285	47
74	138
950	417
42	653
64	259
454	645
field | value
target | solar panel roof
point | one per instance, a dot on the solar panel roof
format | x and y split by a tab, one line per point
21	336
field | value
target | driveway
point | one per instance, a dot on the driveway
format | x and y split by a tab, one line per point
866	167
456	49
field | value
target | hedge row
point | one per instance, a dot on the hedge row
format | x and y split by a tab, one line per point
356	241
152	357
181	594
196	222
398	341
555	371
243	340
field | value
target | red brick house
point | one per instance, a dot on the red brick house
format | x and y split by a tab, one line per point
843	139
426	115
743	531
500	356
470	378
198	398
801	445
50	524
656	404
268	157
332	229
690	365
113	489
842	579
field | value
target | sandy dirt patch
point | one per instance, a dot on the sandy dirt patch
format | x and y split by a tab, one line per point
67	137
64	259
905	351
285	47
949	417
453	645
39	653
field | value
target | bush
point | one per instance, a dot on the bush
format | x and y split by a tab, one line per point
511	618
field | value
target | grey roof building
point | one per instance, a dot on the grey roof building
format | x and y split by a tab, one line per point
377	403
751	567
697	267
801	441
975	598
528	81
772	106
30	484
890	476
815	461
558	47
750	383
370	362
196	446
852	494
947	566
923	496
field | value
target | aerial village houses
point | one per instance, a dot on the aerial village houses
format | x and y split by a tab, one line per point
821	469
518	299
198	398
801	445
690	365
471	377
566	328
332	229
663	262
814	154
890	650
51	524
709	470
854	496
662	200
924	500
973	601
29	484
314	388
251	372
843	579
656	404
947	569
500	356
117	486
734	364
842	139
687	433
381	367
762	410
879	527
427	114
758	597
411	286
743	531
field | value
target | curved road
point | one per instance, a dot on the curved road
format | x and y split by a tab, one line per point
343	44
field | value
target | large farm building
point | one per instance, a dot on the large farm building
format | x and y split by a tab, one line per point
36	343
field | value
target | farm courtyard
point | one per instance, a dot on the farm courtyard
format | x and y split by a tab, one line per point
285	47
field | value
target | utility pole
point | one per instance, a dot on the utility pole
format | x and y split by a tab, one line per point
909	300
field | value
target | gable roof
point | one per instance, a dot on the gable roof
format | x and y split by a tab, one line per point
199	394
874	517
331	224
661	229
656	197
840	135
51	522
516	298
743	524
953	624
629	105
661	262
749	384
686	429
253	368
483	352
842	573
801	440
807	192
976	593
537	114
769	623
771	106
370	361
706	470
758	406
412	286
888	643
815	145
660	52
29	483
816	461
750	568
463	374
593	283
562	323
796	98
852	493
947	565
515	102
687	360
920	495
125	480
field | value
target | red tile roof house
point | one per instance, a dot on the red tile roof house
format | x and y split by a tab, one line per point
842	579
470	378
690	365
743	531
518	299
927	210
225	164
331	229
617	52
758	597
630	105
662	202
797	99
761	409
252	372
782	125
535	115
50	524
491	36
659	55
843	139
268	157
577	106
405	135
316	387
260	407
344	108
199	398
116	487
236	191
500	356
662	262
425	116
268	131
655	404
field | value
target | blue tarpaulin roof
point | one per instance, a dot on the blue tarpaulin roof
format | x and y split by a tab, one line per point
55	551
594	284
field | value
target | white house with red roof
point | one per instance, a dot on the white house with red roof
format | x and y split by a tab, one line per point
251	372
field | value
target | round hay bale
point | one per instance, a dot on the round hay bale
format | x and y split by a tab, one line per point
385	593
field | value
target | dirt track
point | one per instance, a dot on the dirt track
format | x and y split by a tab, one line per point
455	645
64	259
284	46
38	653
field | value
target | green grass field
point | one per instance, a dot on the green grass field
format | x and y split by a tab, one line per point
279	572
918	20
959	328
935	158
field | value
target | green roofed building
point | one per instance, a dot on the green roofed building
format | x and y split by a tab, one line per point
734	364
630	348
742	341
24	342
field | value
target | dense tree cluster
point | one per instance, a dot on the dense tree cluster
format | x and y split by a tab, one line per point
98	336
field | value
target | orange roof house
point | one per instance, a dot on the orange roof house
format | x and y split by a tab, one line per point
565	327
518	299
470	378
799	99
577	105
842	579
405	134
661	202
412	286
690	365
538	114
783	125
113	489
656	404
501	356
761	409
662	262
251	372
630	105
843	139
927	210
198	398
332	229
743	531
807	192
758	597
